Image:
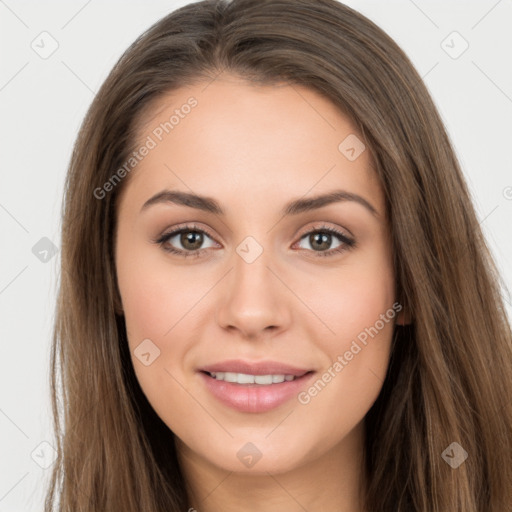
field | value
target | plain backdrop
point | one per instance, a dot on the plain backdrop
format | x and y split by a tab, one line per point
43	99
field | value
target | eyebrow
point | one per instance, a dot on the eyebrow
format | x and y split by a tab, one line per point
295	207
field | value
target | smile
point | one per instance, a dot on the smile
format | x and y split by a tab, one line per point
254	393
244	378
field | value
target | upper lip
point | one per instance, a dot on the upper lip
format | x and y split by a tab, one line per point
255	368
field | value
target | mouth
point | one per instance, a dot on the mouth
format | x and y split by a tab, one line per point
247	379
254	392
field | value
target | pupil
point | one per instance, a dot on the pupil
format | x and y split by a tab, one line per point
322	238
188	238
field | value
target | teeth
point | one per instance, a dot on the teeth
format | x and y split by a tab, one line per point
243	378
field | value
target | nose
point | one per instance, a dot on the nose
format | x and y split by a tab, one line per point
253	301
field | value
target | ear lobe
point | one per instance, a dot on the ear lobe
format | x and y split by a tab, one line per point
404	318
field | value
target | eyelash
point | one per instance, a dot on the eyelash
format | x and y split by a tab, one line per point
347	243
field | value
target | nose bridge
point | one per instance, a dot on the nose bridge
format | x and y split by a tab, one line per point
251	264
252	280
252	295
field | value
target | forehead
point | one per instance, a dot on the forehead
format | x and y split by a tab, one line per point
242	142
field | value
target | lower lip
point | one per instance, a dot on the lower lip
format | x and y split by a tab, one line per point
255	397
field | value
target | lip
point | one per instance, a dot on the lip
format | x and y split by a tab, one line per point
255	368
255	398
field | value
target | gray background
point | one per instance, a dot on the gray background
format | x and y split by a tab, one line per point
42	103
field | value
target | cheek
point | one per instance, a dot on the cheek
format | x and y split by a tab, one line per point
154	298
155	302
357	306
352	298
161	304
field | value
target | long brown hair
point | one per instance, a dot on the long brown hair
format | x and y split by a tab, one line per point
450	374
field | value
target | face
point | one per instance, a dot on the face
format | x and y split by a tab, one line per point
289	300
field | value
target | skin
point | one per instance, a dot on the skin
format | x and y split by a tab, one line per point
254	148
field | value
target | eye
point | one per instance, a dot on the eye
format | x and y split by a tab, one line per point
321	237
191	238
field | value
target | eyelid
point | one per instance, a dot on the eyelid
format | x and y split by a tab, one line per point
185	226
318	226
192	226
347	241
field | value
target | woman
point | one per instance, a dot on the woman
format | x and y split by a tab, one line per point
214	355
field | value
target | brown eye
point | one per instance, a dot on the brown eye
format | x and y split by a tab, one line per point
191	240
185	241
320	241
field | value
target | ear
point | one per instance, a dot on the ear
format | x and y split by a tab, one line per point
404	317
